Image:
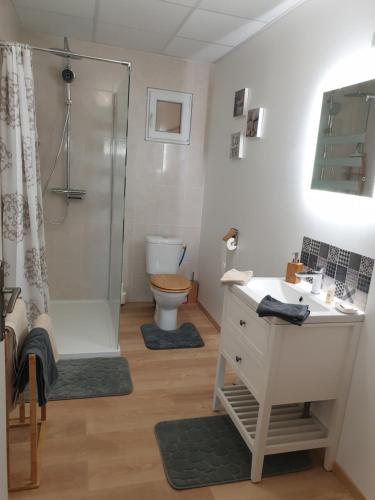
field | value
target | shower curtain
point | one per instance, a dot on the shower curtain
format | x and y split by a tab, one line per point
22	229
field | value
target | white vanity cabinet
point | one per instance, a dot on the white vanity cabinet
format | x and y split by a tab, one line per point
280	367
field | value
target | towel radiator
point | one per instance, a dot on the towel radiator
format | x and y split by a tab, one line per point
6	308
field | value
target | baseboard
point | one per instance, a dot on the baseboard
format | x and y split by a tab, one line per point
342	476
215	323
85	355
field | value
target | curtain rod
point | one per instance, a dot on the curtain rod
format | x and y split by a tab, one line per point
73	55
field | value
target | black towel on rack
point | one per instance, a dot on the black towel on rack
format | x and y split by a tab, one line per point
37	342
293	313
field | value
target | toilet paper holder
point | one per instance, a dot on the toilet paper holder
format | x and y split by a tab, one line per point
231	233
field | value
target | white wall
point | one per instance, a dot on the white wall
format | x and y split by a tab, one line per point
8	32
265	195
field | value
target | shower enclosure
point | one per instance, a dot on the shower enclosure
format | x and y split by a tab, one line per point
82	108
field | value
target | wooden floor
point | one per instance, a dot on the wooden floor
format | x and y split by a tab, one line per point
99	449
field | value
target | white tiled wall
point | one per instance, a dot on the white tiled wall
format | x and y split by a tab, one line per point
164	181
77	250
9	26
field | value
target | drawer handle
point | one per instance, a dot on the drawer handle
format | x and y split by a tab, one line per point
242	322
238	359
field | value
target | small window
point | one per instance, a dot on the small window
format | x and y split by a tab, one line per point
168	116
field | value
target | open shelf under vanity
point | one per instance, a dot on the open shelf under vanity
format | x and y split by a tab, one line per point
287	430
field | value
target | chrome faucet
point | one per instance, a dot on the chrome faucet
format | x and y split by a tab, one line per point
317	277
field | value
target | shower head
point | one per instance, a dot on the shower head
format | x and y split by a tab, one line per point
68	75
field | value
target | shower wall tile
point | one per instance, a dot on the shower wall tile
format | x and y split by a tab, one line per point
165	180
9	26
77	250
164	185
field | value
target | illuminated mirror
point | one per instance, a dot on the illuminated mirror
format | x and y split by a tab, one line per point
345	151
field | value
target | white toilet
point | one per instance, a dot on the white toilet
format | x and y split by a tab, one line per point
163	255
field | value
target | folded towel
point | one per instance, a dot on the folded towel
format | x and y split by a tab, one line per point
293	313
17	321
37	342
237	277
16	330
44	321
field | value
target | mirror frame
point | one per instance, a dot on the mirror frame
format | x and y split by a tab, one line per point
183	98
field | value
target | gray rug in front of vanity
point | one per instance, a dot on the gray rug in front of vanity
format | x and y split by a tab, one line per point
205	451
91	378
187	336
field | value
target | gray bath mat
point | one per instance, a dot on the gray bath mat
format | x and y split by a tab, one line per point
91	378
205	451
184	337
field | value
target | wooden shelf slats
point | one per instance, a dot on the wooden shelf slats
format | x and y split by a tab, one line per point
287	428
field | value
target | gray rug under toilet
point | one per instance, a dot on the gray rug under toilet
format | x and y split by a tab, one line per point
205	451
91	378
187	336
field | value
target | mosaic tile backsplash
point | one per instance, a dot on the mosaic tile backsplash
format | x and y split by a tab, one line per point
350	272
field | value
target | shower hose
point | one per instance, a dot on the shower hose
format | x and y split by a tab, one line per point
61	221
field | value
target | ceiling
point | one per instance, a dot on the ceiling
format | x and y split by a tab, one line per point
201	30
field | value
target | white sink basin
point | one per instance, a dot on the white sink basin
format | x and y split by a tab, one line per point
321	312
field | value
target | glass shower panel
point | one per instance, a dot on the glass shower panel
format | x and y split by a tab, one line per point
84	237
120	124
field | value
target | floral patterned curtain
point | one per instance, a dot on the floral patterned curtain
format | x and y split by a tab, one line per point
23	246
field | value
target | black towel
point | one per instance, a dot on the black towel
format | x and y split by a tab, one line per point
293	313
37	342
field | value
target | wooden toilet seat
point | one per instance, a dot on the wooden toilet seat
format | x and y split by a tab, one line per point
171	283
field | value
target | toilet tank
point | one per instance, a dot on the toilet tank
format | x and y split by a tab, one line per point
163	254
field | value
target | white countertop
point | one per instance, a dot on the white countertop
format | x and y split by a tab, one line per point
278	288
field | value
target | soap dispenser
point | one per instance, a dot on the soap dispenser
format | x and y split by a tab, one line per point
294	267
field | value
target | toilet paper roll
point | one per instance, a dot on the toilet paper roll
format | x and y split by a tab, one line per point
231	244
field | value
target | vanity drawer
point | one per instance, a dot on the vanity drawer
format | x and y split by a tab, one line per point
241	356
244	319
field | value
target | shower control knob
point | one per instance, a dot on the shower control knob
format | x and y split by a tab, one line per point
242	322
238	359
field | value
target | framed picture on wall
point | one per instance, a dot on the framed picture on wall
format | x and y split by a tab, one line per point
240	102
236	146
254	122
